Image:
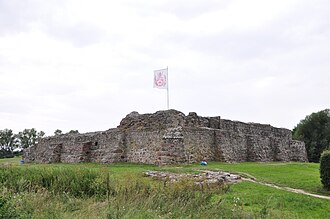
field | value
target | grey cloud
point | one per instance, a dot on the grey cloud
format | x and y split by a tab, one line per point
18	16
179	8
238	46
3	61
80	34
14	16
15	105
54	88
196	8
306	25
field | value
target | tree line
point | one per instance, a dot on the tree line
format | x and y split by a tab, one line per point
314	130
9	141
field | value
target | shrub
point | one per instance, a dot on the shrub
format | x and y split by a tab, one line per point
6	154
325	169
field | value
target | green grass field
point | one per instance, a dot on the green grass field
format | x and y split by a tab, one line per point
304	176
121	191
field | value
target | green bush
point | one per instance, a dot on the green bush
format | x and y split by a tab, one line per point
6	154
325	169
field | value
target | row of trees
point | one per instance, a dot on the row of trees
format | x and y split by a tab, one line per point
24	139
9	141
314	130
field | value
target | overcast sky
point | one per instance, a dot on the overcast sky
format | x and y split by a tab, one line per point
78	64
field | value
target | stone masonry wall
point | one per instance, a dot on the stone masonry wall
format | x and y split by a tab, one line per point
199	144
167	137
142	146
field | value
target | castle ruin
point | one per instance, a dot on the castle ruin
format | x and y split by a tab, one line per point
168	137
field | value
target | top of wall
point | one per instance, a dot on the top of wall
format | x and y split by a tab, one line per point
172	118
167	119
156	121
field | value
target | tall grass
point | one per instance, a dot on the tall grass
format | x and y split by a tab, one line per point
80	182
128	197
173	200
121	191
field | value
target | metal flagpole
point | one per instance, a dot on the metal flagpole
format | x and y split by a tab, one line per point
168	96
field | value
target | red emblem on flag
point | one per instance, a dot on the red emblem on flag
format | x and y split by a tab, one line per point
160	78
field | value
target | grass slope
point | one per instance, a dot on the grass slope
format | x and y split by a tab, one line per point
304	176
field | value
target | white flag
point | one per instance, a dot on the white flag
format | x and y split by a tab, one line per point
160	79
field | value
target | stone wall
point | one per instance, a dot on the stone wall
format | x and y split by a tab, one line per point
167	137
142	146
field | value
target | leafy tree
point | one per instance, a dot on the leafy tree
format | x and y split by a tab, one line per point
29	137
58	132
314	130
41	134
73	132
8	140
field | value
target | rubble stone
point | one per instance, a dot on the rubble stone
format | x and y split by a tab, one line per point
208	177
